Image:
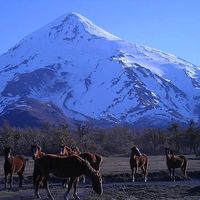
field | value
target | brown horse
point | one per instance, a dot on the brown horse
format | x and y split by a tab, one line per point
12	165
137	160
175	162
66	167
36	151
66	151
94	159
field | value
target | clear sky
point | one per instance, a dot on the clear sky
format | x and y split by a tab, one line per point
172	26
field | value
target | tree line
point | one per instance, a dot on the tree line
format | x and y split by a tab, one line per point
110	141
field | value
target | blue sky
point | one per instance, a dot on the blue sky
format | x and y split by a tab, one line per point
172	26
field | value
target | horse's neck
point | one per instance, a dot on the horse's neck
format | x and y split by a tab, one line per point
89	171
134	156
168	156
8	158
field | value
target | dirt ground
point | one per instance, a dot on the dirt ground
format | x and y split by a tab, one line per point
117	183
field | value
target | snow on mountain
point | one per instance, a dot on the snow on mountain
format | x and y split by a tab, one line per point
90	74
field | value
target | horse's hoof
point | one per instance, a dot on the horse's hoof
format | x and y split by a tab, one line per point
38	196
65	197
76	197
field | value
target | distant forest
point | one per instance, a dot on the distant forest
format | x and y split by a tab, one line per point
115	140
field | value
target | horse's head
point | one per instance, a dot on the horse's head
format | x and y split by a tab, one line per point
136	151
35	149
97	183
62	149
167	151
65	150
7	151
75	150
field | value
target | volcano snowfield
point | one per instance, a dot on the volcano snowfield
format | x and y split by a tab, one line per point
117	183
73	70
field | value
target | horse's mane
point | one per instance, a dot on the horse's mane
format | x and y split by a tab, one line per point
88	168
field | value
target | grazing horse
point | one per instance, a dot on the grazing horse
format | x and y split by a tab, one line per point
175	162
12	165
94	159
66	167
137	160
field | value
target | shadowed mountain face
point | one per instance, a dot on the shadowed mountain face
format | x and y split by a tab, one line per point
32	113
91	75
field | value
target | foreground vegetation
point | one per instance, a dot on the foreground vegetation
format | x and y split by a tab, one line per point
110	141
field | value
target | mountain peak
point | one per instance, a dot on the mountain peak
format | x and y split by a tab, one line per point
74	22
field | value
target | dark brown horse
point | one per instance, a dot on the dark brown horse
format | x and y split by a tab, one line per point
66	167
175	162
94	159
12	165
137	160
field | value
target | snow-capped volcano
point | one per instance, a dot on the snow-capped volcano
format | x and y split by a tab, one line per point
90	74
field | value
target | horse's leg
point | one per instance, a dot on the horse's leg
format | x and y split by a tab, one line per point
76	197
145	170
47	187
144	173
6	180
11	180
136	171
20	178
184	172
37	184
83	178
71	181
132	174
64	183
173	170
183	168
170	173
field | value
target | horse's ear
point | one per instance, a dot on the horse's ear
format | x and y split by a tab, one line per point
133	147
39	147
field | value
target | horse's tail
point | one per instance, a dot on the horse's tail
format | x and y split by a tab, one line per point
184	161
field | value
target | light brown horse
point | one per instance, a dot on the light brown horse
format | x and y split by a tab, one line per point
12	165
66	167
175	162
137	160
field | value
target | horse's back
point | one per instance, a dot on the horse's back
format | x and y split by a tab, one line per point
183	157
63	167
139	160
15	164
94	159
